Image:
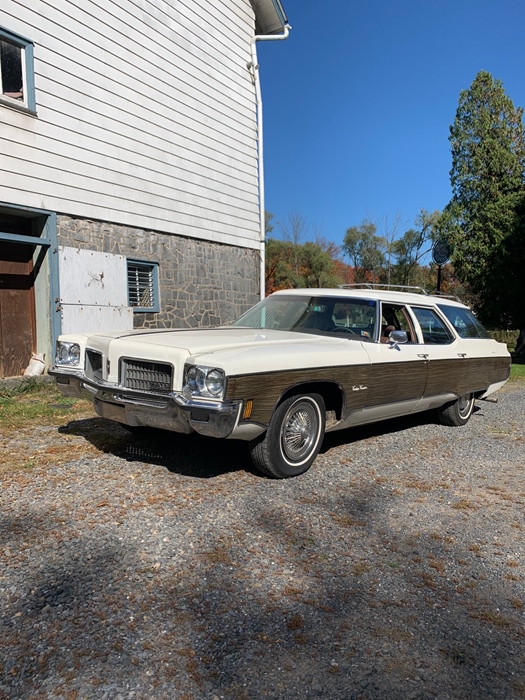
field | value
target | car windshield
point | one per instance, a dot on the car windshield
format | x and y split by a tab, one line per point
350	318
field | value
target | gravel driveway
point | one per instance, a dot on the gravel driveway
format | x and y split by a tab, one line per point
162	566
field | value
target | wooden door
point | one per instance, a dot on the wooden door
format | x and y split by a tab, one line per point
17	308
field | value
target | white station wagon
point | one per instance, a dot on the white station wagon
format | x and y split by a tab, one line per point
300	363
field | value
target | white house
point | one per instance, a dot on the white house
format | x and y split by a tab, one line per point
131	190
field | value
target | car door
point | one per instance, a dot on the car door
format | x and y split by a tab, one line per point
448	370
398	371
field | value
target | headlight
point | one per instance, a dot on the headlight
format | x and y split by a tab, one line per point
204	381
68	354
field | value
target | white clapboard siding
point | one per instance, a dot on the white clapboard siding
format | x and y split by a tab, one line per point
157	175
225	173
188	223
145	115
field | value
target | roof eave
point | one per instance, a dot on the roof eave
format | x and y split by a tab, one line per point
270	17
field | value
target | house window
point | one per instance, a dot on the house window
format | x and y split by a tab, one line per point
16	71
143	285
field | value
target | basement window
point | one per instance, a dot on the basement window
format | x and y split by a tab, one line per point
16	71
143	286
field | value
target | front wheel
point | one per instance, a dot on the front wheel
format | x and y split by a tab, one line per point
293	439
458	412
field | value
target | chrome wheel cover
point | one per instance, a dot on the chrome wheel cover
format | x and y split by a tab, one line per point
300	430
465	405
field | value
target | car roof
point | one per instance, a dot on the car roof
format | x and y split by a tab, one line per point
374	294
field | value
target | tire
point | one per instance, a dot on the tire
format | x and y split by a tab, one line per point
293	439
458	412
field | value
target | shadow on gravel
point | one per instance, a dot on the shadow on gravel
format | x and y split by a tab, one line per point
45	630
202	457
385	427
188	455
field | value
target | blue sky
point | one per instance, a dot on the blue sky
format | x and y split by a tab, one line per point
358	102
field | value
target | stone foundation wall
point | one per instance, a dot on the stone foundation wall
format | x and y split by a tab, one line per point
201	283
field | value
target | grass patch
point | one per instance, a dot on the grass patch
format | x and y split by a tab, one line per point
37	403
517	371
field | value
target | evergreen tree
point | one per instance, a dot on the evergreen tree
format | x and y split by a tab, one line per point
484	220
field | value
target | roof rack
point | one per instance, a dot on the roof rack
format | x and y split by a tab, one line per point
454	297
377	285
402	287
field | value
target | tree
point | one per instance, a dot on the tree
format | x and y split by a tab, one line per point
390	230
317	267
366	251
484	220
293	230
278	273
413	245
268	225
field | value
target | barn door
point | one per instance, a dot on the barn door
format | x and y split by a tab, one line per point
17	308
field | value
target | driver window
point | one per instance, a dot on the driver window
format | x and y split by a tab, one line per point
394	317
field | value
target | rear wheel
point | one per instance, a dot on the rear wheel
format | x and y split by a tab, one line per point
457	413
293	439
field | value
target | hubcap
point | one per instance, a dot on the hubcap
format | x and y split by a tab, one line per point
300	431
465	405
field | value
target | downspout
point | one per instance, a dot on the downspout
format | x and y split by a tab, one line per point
254	69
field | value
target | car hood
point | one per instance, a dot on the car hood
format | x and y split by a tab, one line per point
209	340
235	350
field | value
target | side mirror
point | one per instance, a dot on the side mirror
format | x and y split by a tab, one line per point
398	337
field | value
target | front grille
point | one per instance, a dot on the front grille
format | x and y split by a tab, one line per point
94	365
151	377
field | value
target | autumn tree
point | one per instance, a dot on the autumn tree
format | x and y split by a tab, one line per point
279	270
317	267
366	251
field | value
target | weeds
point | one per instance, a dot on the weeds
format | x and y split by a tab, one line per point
34	402
23	386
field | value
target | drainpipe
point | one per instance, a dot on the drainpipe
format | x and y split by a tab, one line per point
254	70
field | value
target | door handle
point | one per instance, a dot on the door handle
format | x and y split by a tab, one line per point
423	355
462	354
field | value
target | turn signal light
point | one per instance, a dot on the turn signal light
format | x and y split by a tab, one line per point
248	406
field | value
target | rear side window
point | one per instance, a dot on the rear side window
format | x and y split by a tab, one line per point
432	327
464	321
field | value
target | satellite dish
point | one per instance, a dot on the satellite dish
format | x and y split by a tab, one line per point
441	252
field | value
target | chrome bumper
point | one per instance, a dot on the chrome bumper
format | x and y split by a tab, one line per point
169	412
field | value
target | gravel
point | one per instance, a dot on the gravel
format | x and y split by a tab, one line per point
163	566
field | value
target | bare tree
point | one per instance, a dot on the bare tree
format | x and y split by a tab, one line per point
390	228
294	230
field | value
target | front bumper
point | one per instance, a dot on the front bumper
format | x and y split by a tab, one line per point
169	412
